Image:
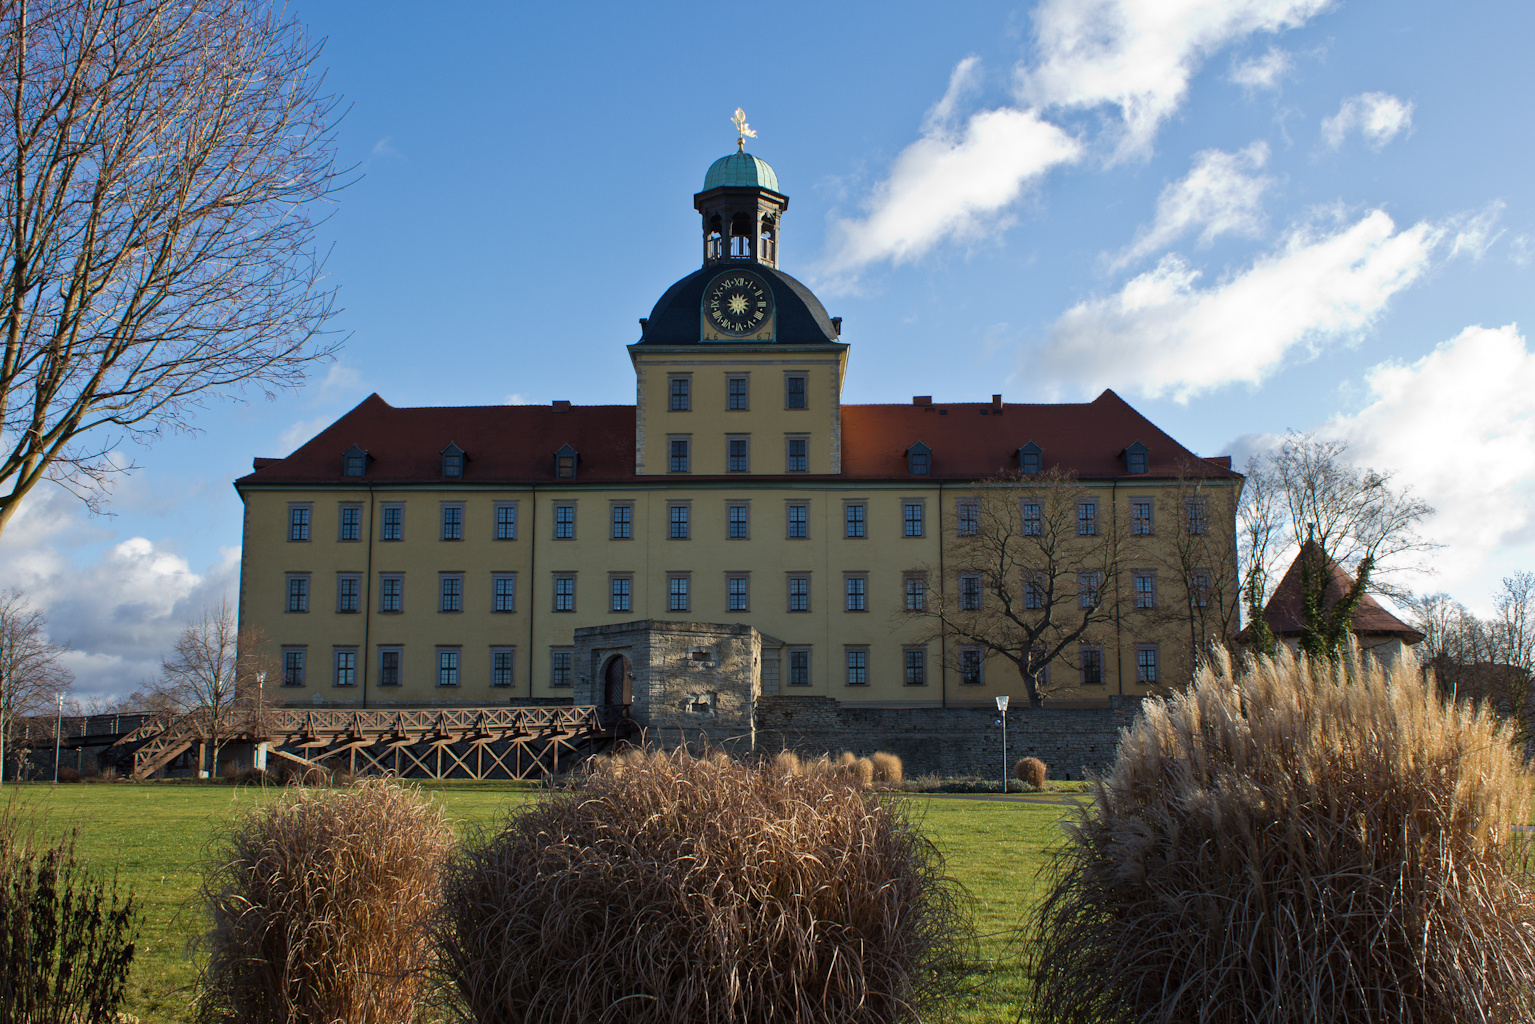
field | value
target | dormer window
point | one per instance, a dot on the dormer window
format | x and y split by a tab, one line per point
354	462
919	459
1136	458
1031	459
452	462
565	463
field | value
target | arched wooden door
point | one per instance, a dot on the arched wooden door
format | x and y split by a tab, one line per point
618	682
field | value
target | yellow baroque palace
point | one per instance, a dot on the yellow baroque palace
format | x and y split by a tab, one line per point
446	556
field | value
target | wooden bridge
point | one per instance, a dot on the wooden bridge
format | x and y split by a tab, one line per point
435	743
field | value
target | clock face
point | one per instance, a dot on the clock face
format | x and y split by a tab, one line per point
738	303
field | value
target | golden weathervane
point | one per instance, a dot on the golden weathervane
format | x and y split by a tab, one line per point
744	131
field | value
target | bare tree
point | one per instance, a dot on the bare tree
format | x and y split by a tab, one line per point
207	680
1260	545
30	673
158	161
1513	647
1202	594
1037	569
1308	496
1489	659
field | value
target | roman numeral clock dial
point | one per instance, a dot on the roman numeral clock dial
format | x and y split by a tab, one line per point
737	303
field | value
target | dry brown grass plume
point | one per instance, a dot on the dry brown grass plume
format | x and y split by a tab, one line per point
1031	771
1305	842
887	767
320	903
679	890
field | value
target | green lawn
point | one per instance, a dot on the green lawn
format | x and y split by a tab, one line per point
156	837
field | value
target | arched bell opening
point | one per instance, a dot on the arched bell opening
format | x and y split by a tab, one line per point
714	239
741	237
769	241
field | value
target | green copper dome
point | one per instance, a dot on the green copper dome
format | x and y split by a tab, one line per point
740	170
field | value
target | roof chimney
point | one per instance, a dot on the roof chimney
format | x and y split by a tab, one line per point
836	325
921	399
996	403
560	405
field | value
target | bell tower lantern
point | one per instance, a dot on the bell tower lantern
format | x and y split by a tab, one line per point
741	206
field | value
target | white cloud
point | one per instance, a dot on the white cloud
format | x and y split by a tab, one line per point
1139	56
1262	72
1475	233
518	398
1219	196
1458	427
120	609
1379	117
301	431
950	184
1162	334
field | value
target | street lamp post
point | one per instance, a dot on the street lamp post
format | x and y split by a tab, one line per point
260	730
1002	710
58	734
2	715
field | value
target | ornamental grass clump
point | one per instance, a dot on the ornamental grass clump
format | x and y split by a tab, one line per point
1304	841
887	768
1031	772
320	904
683	890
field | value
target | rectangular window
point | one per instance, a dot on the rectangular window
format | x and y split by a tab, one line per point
1087	519
506	520
799	593
677	520
623	522
1144	586
799	526
1091	660
564	522
737	455
1140	517
1089	589
503	665
680	387
298	521
298	592
1199	589
293	666
677	458
857	588
1034	593
503	588
911	519
740	521
452	521
389	659
677	593
621	594
970	593
346	666
794	391
799	666
916	666
857	666
564	593
1146	664
1197	515
559	665
348	593
854	518
968	518
447	666
391	592
391	522
738	593
971	666
916	594
1031	524
798	457
452	589
351	523
736	393
918	463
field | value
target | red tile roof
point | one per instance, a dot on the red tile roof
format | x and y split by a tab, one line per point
1283	611
516	443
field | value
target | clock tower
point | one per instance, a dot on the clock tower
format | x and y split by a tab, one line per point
739	370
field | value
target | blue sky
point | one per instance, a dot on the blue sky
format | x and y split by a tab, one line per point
1242	215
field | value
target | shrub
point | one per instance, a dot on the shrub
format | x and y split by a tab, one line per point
787	761
70	775
684	891
1031	771
847	760
319	904
1307	841
887	767
67	938
863	771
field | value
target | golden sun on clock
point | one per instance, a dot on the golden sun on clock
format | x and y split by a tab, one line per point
738	302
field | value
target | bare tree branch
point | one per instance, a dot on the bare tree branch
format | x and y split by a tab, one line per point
30	673
158	162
